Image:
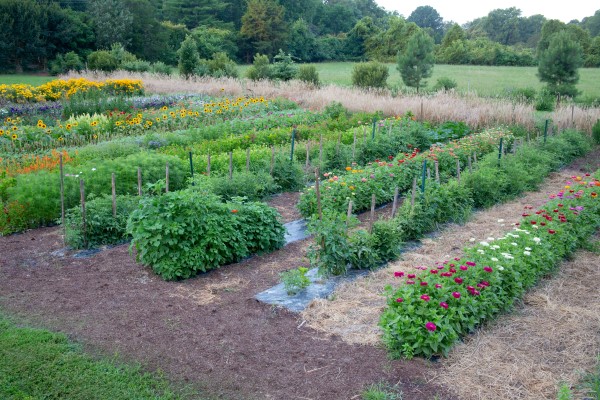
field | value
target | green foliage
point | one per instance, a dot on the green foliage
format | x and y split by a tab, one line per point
188	57
180	234
101	227
111	22
283	67
254	186
370	75
416	62
68	372
559	64
136	66
330	251
263	26
445	83
69	62
590	383
308	74
287	175
524	95
382	391
596	132
564	392
545	100
102	60
362	250
161	68
295	280
260	69
219	66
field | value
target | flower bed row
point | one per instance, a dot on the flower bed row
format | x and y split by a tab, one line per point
430	311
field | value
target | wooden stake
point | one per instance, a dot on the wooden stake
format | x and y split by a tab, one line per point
475	157
62	190
458	170
272	160
248	159
470	165
395	203
83	216
414	192
230	164
573	115
208	164
307	154
372	219
339	141
167	178
114	195
428	173
437	171
320	150
354	146
139	181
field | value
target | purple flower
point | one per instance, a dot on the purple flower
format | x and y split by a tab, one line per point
430	326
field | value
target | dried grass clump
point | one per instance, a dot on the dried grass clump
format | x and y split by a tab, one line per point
209	292
550	339
439	107
355	312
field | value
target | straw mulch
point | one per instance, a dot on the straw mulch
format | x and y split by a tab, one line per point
354	313
549	339
437	108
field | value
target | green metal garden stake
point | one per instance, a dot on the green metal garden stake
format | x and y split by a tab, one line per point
192	169
500	151
423	176
293	141
373	133
545	131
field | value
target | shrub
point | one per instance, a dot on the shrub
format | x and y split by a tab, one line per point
370	75
284	67
182	233
260	69
101	227
295	280
160	68
221	65
188	57
102	60
596	132
524	95
308	74
545	100
136	66
287	175
69	62
254	186
445	83
330	251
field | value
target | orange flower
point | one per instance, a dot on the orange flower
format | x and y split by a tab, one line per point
234	211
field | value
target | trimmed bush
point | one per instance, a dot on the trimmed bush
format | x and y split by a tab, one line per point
370	75
260	69
308	74
102	60
180	234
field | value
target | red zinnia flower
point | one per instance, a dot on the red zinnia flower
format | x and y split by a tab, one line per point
423	283
438	286
430	326
487	269
551	231
456	295
411	276
399	274
410	282
399	300
470	263
443	304
458	280
424	297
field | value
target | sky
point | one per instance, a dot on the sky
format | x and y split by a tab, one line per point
462	11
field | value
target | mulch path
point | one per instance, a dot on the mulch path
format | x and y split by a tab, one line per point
208	331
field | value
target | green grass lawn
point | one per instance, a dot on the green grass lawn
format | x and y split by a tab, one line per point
34	80
38	364
485	80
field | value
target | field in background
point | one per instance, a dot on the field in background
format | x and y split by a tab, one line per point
483	80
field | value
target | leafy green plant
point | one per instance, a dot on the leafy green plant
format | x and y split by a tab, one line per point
284	67
564	392
254	186
260	69
370	75
295	280
308	74
382	391
180	234
444	83
101	226
596	132
330	251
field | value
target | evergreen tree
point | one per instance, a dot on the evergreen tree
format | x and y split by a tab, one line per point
301	42
416	63
21	42
193	13
188	57
559	65
112	22
263	26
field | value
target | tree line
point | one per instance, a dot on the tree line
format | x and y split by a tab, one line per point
40	34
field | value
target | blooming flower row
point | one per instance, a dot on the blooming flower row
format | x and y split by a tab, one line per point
428	312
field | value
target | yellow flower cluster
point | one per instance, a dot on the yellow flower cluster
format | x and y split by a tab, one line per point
59	88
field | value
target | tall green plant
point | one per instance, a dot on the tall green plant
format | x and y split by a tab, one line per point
416	63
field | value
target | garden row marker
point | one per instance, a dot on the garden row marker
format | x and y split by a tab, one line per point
114	195
230	165
428	173
372	219
62	193
318	193
475	157
192	169
573	115
545	131
349	213
208	164
321	149
364	133
293	141
414	191
395	203
458	170
470	164
373	133
307	154
272	160
248	159
437	171
423	177
500	151
390	128
421	109
167	178
139	181
83	223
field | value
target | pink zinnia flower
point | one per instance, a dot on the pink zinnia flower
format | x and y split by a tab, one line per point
434	271
423	283
470	263
458	280
424	297
411	276
430	326
438	286
487	269
399	274
443	304
464	268
410	282
456	295
399	300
